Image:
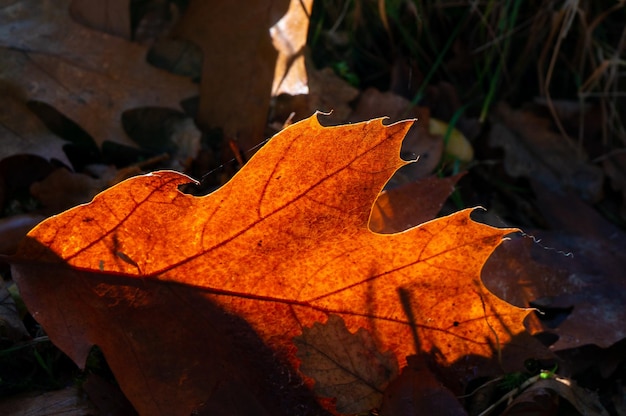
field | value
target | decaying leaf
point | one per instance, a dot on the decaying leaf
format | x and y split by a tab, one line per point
576	268
63	189
191	298
89	76
533	150
345	365
330	93
14	228
22	132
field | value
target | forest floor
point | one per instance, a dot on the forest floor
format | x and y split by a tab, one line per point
520	103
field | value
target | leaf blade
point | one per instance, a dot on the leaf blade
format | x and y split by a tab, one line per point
283	245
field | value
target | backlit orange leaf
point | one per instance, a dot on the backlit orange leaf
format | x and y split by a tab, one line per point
170	285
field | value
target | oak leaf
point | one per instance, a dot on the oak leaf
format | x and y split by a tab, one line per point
89	76
187	296
21	131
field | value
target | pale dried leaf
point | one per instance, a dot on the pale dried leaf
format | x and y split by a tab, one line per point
289	37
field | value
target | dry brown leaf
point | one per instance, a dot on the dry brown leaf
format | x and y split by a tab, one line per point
330	94
568	273
21	131
89	76
14	228
532	150
63	189
345	365
193	298
110	16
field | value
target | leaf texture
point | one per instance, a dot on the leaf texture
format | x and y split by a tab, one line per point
281	246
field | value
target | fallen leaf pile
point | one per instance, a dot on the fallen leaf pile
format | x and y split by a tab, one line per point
193	299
